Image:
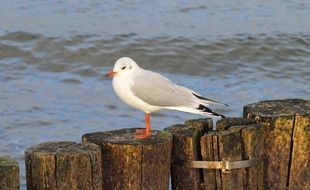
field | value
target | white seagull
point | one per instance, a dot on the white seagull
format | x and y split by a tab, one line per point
151	92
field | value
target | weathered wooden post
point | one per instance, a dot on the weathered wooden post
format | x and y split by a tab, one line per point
186	147
63	165
9	174
287	141
131	164
224	159
238	144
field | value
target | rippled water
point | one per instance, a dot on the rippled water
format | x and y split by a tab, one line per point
53	56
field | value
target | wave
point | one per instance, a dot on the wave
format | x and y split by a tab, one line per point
87	55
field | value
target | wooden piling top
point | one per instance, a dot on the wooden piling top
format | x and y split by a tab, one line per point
126	136
278	108
61	147
7	162
191	127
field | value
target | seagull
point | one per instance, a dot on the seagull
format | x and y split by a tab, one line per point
151	92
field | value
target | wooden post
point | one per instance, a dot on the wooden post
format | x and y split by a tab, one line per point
287	144
131	164
238	139
63	165
9	174
186	146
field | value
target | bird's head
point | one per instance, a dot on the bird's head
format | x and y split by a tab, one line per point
122	65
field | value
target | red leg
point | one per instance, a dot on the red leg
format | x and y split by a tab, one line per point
148	122
144	133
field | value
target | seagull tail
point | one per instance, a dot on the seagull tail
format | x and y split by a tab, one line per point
204	100
201	110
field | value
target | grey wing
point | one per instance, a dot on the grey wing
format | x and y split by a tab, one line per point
157	90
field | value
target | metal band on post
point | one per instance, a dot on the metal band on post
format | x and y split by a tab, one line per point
225	165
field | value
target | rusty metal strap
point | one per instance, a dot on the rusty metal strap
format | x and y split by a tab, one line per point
225	165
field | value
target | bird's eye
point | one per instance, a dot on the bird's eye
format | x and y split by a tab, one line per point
123	68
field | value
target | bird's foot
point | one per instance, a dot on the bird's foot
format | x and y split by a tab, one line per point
142	134
140	131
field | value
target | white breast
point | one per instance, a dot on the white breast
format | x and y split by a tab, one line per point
122	87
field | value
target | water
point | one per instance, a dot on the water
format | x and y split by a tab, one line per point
54	54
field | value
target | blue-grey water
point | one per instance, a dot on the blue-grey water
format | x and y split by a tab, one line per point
54	54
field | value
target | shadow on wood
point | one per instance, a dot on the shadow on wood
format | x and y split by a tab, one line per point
9	173
63	165
287	145
131	164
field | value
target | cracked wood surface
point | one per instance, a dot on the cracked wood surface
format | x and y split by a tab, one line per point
131	164
63	165
286	131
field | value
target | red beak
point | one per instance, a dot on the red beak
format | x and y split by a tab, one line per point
110	73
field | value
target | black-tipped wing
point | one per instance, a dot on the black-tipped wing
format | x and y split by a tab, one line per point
208	110
206	100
